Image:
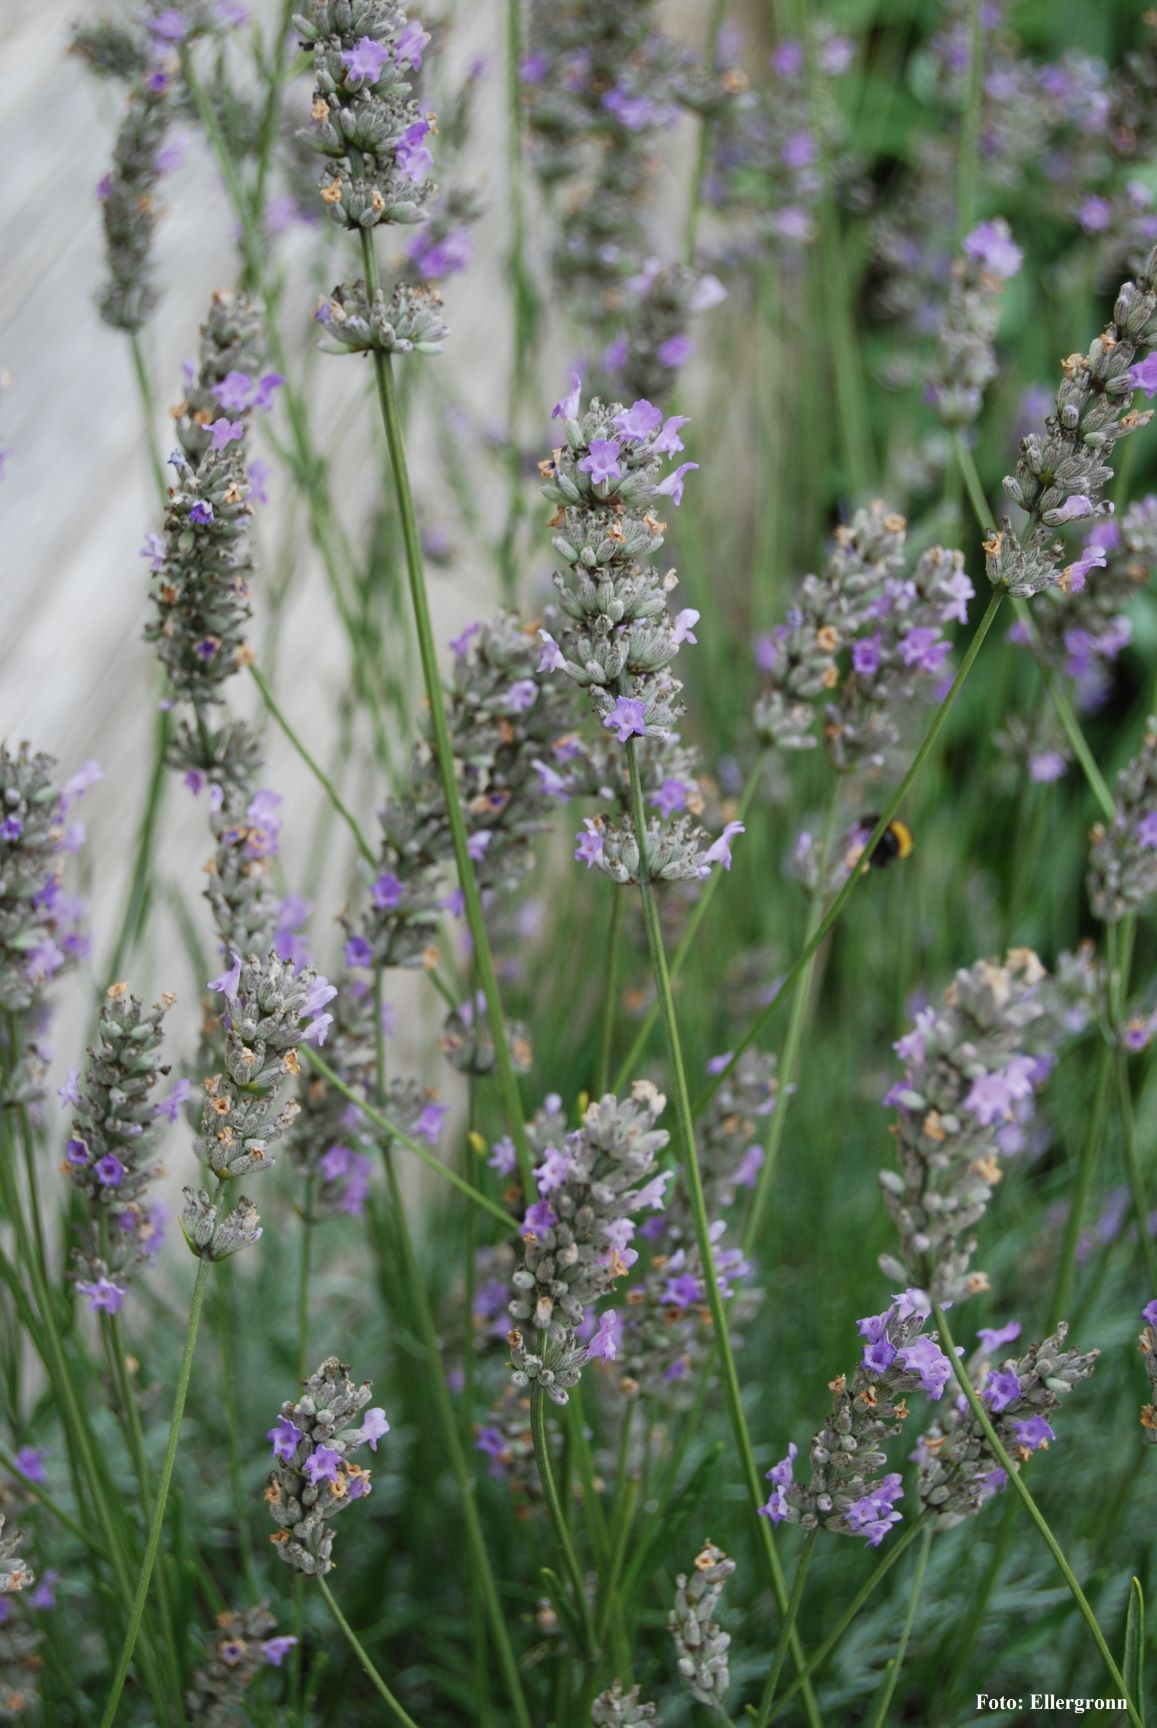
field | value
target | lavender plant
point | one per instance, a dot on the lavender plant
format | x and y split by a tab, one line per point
585	1307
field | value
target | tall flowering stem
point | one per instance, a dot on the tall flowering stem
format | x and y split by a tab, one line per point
982	1416
686	1133
363	1660
443	747
149	1561
834	911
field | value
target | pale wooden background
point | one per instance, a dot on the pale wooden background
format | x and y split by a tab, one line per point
76	498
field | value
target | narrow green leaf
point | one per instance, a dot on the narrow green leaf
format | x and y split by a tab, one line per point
1133	1666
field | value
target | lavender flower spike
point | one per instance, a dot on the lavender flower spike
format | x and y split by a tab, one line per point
577	1236
314	1477
1061	477
701	1644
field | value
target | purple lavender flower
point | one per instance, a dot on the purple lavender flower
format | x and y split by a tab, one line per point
627	719
322	1465
992	1338
275	1650
229	982
602	460
285	1437
672	486
102	1294
719	852
1001	1387
927	1361
29	1461
413	156
109	1171
992	245
365	60
567	408
603	1345
639	420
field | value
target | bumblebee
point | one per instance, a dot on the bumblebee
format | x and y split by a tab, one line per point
895	842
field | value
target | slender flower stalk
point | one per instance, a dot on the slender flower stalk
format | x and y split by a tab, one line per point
896	1663
364	1661
467	877
831	916
690	1165
165	1481
984	1421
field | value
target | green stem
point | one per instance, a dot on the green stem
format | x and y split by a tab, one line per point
521	302
785	1631
962	1641
863	1595
452	1446
268	130
158	1519
140	880
1095	1130
558	1518
969	151
833	912
694	1179
149	413
227	1335
382	1121
443	745
1014	1476
1057	696
686	942
355	1644
897	1662
1141	1210
84	1457
789	1061
610	994
703	150
314	766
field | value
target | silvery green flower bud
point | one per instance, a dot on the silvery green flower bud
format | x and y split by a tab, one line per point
267	1002
468	1043
1084	626
109	1153
966	360
245	908
40	924
577	1235
407	322
228	757
618	1709
314	1477
110	49
211	1236
1123	854
15	1574
862	643
128	203
517	756
1061	477
1147	1345
239	1647
677	851
602	82
958	1472
973	1066
701	1644
364	119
